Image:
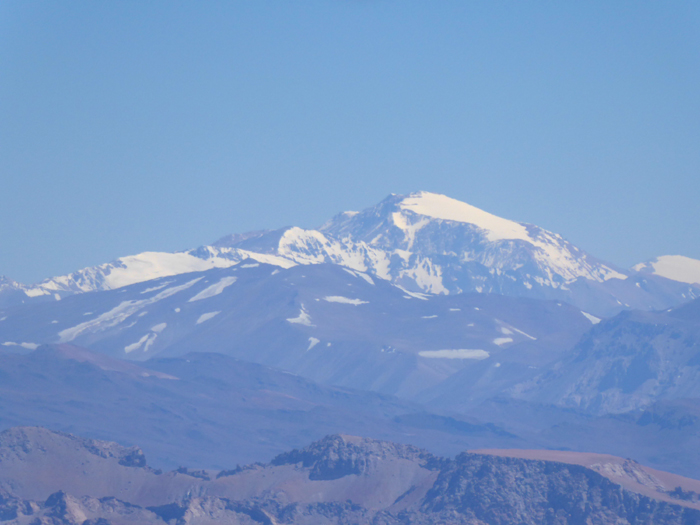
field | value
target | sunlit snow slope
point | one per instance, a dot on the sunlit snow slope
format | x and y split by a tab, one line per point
674	267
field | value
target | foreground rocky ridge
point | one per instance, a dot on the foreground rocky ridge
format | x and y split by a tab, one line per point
338	480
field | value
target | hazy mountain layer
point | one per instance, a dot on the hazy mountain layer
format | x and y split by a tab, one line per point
626	363
326	323
211	410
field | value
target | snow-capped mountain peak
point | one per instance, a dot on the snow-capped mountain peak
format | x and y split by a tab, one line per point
674	267
423	242
436	206
423	228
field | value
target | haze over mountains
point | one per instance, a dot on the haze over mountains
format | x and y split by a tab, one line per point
422	321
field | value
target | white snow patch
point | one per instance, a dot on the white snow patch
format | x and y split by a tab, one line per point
312	342
3	318
366	277
87	313
118	314
429	317
54	322
455	354
361	275
498	365
207	316
404	254
35	292
177	310
675	267
507	329
344	300
455	309
427	275
152	265
592	318
444	208
28	346
266	258
214	289
526	335
416	295
253	265
409	229
500	341
303	318
159	327
275	272
154	288
57	297
138	344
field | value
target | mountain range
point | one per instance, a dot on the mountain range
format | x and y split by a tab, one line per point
422	321
49	477
424	242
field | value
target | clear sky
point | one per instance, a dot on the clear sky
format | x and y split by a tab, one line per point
131	126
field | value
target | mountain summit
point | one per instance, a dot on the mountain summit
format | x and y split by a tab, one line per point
469	243
431	243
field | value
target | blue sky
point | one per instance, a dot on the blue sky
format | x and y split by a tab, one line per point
133	126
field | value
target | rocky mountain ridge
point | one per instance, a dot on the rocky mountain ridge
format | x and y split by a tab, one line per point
338	480
626	363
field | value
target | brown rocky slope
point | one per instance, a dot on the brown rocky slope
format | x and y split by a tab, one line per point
57	479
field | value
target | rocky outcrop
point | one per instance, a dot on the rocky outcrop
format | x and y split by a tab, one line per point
627	363
502	491
337	456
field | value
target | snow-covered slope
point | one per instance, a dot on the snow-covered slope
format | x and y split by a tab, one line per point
431	243
426	224
135	269
674	267
424	242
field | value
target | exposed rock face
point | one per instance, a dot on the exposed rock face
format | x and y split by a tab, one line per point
337	456
21	442
501	491
627	363
338	480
